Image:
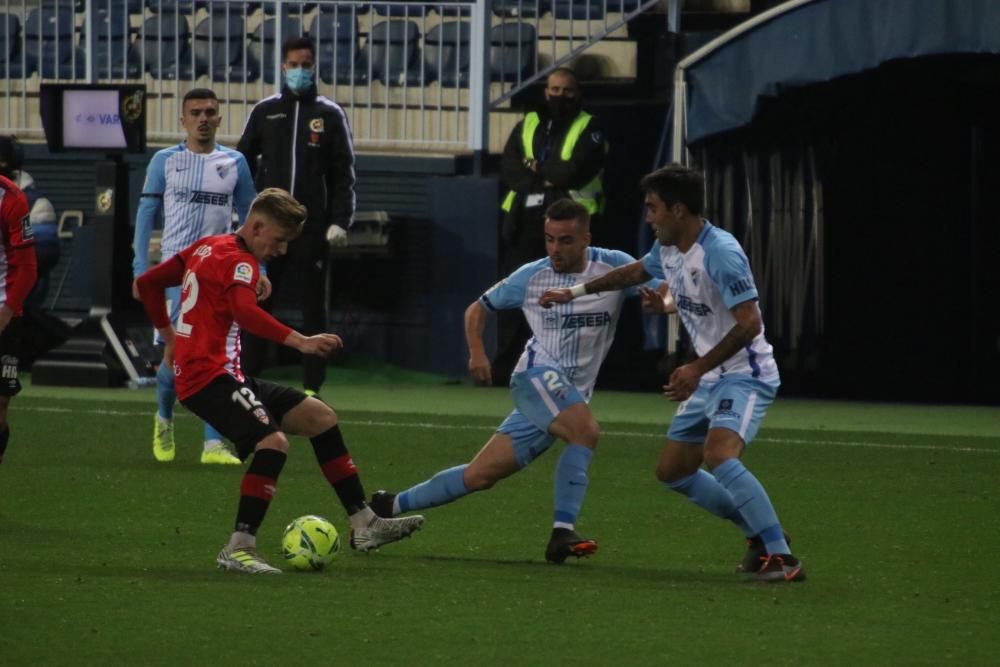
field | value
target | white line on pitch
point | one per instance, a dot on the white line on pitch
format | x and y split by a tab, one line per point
623	434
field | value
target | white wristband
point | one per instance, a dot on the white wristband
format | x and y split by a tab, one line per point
577	290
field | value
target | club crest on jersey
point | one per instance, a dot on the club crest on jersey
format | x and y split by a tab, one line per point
261	415
222	170
316	125
243	273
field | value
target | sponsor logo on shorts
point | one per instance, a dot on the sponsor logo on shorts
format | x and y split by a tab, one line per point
261	415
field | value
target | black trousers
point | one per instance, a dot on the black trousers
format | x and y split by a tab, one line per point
299	281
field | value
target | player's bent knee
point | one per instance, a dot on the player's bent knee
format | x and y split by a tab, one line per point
478	480
276	441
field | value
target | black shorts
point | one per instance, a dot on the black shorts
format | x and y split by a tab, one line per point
244	412
10	357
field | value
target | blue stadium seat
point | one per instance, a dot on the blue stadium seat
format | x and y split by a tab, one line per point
220	49
513	48
183	7
50	44
166	46
115	56
117	6
337	41
394	53
447	51
409	10
451	10
241	9
262	42
296	9
10	47
517	8
573	9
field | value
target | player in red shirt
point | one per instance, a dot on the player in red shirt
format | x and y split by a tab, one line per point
18	272
218	276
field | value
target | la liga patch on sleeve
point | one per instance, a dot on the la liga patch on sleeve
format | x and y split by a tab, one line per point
243	273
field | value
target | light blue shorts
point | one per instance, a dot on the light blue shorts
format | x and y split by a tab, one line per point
539	394
735	402
173	296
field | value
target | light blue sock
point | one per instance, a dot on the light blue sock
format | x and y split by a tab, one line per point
705	491
165	394
571	482
440	489
752	502
211	433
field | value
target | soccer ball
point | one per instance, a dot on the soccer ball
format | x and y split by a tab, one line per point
310	543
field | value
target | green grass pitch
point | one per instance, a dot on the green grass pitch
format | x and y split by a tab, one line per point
107	557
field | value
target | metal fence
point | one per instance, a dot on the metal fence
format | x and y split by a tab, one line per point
412	76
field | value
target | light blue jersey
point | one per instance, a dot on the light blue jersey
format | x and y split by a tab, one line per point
708	280
197	193
573	337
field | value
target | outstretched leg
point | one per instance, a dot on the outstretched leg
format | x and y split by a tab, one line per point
317	421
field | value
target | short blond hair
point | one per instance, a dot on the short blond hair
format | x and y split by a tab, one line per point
282	208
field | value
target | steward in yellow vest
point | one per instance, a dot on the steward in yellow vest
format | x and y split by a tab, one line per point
556	151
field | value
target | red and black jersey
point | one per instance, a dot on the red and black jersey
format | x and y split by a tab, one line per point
218	279
18	267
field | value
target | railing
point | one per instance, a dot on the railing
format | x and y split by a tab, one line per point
414	76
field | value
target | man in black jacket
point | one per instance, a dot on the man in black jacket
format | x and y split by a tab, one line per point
301	142
556	151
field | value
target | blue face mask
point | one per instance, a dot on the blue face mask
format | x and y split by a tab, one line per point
299	79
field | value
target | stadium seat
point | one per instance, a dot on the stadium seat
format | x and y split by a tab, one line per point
394	53
295	9
220	49
573	9
451	10
115	56
50	45
183	7
241	9
408	10
337	45
262	42
117	6
447	52
10	47
513	47
517	8
166	47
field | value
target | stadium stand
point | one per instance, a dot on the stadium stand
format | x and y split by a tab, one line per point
166	45
394	52
220	49
338	50
263	42
447	53
10	47
50	43
114	54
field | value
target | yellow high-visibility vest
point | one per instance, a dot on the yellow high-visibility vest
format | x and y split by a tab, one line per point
591	194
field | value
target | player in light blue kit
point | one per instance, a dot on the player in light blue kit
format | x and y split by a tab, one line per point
726	391
196	184
551	384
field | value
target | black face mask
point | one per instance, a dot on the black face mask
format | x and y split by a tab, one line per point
563	108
